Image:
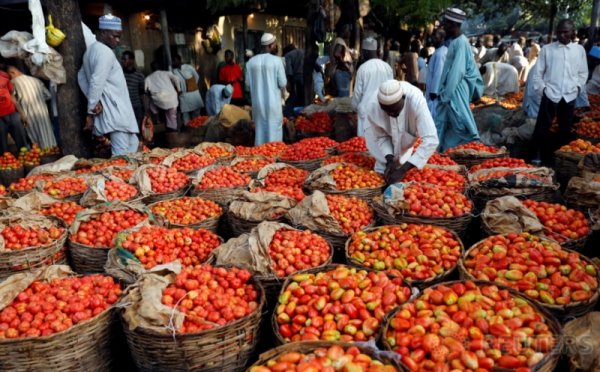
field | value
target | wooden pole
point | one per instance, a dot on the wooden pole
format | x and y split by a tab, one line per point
311	53
553	12
594	25
72	104
165	35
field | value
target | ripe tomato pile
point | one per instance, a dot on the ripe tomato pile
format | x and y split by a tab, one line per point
298	152
412	252
66	187
435	176
197	122
101	231
540	269
270	150
119	190
124	174
216	152
158	245
501	163
28	183
355	144
344	304
360	160
66	211
292	250
477	146
475	329
165	180
295	193
251	165
17	238
349	177
561	223
3	190
211	296
118	162
54	150
223	177
581	146
31	157
352	214
501	174
292	177
191	162
321	142
8	161
47	308
441	160
157	160
187	211
436	201
319	122
323	360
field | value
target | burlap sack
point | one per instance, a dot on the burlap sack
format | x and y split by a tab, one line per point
31	202
17	283
95	193
26	221
470	153
314	214
393	200
321	180
260	178
62	165
108	172
231	114
142	180
169	160
204	145
260	206
241	158
145	157
507	214
582	343
513	184
589	166
581	191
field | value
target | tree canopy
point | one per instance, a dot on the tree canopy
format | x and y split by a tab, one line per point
414	13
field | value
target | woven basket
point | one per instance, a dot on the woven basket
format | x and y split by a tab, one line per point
469	161
223	195
303	135
586	209
366	194
155	198
50	159
567	165
86	259
366	153
20	194
338	242
309	165
545	194
575	309
241	225
9	176
222	349
421	284
224	160
176	140
458	224
279	340
211	224
308	347
85	346
548	364
591	139
35	257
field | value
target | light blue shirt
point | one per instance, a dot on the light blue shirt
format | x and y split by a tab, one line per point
434	74
215	100
421	63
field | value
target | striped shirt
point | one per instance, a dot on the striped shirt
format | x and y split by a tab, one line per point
135	86
32	96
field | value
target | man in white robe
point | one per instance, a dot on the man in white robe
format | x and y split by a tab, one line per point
508	80
102	81
265	75
434	69
190	101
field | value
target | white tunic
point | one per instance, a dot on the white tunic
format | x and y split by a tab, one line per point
163	87
188	101
508	79
369	78
593	86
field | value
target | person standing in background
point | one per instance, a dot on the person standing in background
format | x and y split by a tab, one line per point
319	76
231	73
534	52
409	62
479	49
422	60
12	119
434	70
393	58
163	87
32	96
190	100
135	85
246	93
499	54
517	49
294	71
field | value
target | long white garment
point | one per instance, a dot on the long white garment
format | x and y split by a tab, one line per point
593	86
397	136
163	87
534	52
32	96
369	78
508	79
515	51
562	71
101	79
188	101
393	58
478	53
215	100
522	65
265	75
434	74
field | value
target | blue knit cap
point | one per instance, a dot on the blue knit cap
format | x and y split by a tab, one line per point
110	22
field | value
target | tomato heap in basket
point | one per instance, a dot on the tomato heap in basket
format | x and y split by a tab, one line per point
435	176
211	296
344	304
561	223
28	183
165	180
501	163
436	201
540	269
187	211
299	151
102	230
249	165
580	146
360	160
191	162
318	122
115	162
354	144
44	309
3	190
30	157
157	160
8	162
289	192
223	177
17	237
124	174
158	245
477	146
287	182
348	177
474	329
65	187
414	252
321	142
270	150
197	122
292	250
502	174
352	214
441	160
66	211
119	190
216	152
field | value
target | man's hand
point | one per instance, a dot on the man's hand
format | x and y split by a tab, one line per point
179	93
98	109
24	120
396	176
389	167
89	122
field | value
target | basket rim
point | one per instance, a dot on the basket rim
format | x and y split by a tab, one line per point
467	215
62	236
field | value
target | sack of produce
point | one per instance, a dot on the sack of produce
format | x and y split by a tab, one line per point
219	183
346	179
248	210
157	183
582	343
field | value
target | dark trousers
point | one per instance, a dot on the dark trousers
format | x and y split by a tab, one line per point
139	117
296	97
12	124
563	111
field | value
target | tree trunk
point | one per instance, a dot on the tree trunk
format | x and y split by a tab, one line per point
594	25
72	104
311	52
166	42
245	30
553	11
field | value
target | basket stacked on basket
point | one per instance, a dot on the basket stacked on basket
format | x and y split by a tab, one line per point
393	249
583	195
219	184
250	164
158	183
546	337
195	213
567	158
222	152
570	280
11	169
248	210
347	180
475	153
318	124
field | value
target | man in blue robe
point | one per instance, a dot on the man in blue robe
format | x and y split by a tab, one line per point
434	70
460	83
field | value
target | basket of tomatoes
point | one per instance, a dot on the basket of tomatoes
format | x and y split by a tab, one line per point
26	185
207	318
219	184
358	159
567	158
192	212
562	281
303	156
250	164
249	209
474	153
65	187
72	333
157	183
319	124
187	161
498	340
30	241
355	145
222	152
348	180
320	142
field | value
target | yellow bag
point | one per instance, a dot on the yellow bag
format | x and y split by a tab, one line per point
54	36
